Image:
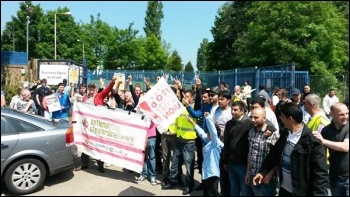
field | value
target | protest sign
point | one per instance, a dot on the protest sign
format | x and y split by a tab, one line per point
113	136
161	105
120	77
53	103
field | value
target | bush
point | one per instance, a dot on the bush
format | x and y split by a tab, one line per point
10	91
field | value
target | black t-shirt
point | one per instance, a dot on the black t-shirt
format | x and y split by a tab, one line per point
338	161
41	91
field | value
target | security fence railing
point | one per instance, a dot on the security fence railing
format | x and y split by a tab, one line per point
320	85
280	75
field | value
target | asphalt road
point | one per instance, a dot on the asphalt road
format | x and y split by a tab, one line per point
114	182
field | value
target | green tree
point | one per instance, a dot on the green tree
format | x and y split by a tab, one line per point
202	55
67	32
15	34
189	71
126	50
311	34
153	19
155	55
174	62
97	36
230	23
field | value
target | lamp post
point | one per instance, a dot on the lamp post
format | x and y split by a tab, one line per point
27	34
83	48
13	37
65	13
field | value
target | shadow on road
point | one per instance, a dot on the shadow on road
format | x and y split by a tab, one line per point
133	191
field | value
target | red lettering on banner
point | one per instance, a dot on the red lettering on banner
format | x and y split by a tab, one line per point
154	105
172	110
159	97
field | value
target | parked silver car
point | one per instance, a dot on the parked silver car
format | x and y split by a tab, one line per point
33	148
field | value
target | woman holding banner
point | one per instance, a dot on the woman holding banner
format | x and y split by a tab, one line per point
96	99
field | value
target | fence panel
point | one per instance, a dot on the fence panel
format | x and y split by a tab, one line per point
320	85
281	76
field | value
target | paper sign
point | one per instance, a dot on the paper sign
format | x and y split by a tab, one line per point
161	105
120	77
53	103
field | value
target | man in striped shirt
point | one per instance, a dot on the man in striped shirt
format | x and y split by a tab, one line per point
301	157
259	146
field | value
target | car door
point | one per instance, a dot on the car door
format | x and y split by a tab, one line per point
9	139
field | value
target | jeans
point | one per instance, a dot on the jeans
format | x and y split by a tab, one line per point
339	186
168	145
210	186
237	180
149	166
225	187
264	189
183	151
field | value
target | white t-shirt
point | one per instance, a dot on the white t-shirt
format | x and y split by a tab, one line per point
221	117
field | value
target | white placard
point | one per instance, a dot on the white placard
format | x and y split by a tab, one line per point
53	103
161	105
53	73
120	77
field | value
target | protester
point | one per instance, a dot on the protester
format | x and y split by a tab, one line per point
26	104
40	93
47	113
335	137
246	89
16	98
184	150
96	99
3	100
149	166
212	152
64	100
259	146
328	101
236	138
300	157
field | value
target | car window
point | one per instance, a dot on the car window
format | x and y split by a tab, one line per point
6	128
22	126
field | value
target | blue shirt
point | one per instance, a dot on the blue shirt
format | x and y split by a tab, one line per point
200	113
211	151
65	103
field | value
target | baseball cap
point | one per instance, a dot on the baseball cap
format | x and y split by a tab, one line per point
296	91
213	90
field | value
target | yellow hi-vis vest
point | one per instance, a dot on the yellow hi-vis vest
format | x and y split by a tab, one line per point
172	127
315	122
184	128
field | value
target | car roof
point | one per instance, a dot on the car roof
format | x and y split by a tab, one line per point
33	119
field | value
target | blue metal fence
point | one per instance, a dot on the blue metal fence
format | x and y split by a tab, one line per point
280	75
13	58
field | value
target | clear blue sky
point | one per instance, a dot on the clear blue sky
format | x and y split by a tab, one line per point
184	26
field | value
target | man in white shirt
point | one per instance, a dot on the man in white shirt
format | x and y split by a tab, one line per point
328	101
16	98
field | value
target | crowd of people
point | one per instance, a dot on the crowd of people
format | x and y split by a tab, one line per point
245	145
